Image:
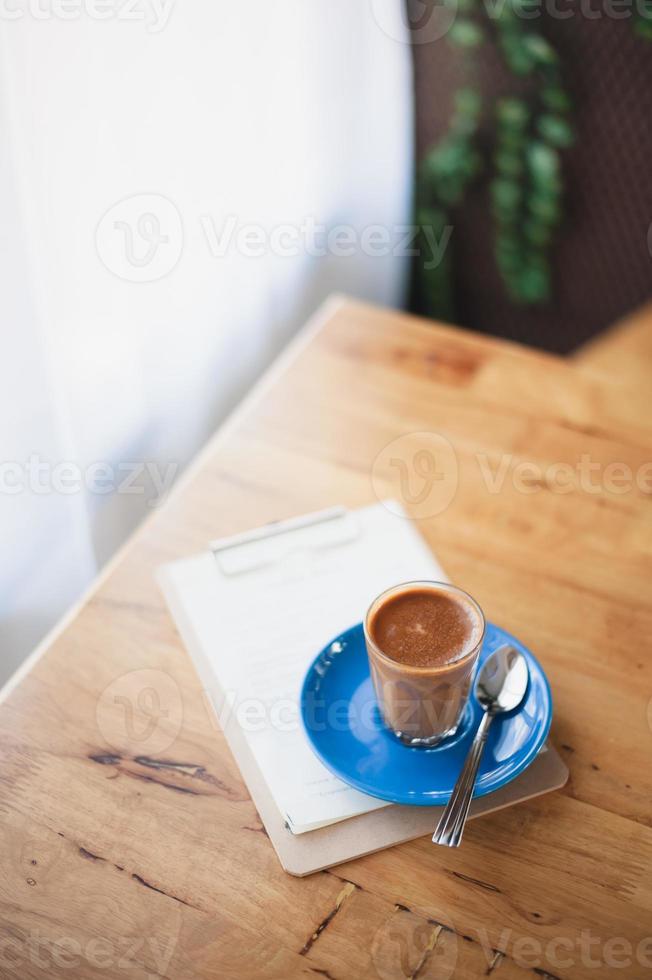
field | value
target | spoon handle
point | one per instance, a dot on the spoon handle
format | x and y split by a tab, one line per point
451	823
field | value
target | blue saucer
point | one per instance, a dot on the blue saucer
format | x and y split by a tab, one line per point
344	727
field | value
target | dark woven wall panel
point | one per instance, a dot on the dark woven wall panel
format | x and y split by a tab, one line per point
601	258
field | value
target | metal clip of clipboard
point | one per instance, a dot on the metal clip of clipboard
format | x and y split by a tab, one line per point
274	542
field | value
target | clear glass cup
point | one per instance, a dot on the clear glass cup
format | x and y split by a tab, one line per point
423	705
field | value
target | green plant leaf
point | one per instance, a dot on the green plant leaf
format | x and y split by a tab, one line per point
508	164
539	49
506	195
555	130
643	28
545	210
555	98
513	113
465	34
536	233
519	59
543	162
534	285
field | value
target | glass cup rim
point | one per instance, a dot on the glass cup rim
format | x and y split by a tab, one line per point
435	668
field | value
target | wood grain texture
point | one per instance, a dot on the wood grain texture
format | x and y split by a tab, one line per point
626	347
621	358
130	847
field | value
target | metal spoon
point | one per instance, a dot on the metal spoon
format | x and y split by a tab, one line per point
500	686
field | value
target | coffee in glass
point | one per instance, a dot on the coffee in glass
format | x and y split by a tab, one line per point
423	641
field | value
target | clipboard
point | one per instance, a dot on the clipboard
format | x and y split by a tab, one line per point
305	854
293	551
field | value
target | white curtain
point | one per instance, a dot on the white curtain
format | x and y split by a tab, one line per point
170	171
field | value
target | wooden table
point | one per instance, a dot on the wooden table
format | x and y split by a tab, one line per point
130	847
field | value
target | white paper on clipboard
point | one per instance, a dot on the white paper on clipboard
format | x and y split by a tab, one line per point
258	607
